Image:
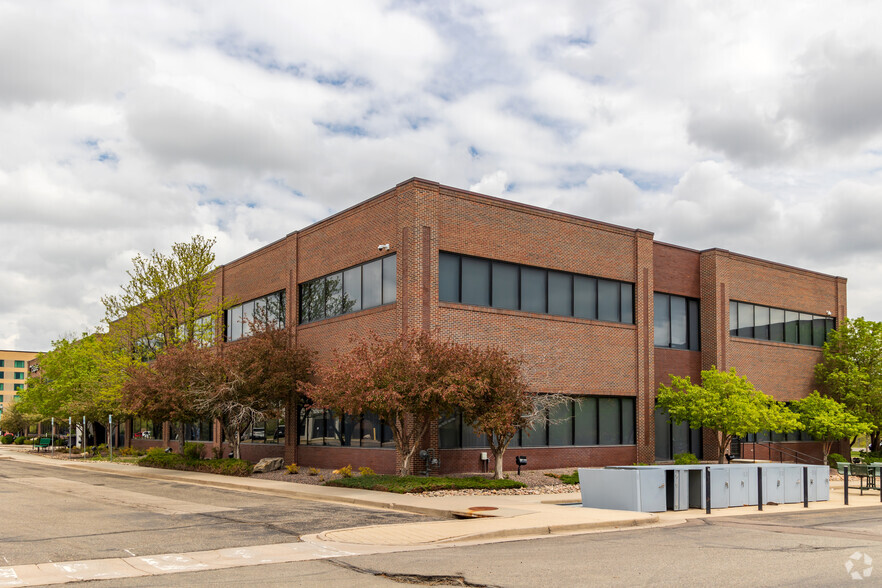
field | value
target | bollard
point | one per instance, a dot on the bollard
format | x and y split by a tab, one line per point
805	486
707	490
846	486
759	488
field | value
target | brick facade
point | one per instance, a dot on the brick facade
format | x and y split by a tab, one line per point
419	218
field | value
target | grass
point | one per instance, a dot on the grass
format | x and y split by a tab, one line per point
566	478
416	484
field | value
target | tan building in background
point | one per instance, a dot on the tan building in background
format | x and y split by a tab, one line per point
13	375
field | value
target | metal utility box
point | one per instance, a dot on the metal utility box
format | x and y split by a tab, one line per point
739	486
719	487
793	486
677	489
640	490
819	482
773	484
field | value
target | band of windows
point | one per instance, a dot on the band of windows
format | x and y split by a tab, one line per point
270	308
483	282
325	427
671	439
363	286
775	324
676	322
586	420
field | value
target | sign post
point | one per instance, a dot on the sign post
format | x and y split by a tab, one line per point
110	436
69	439
52	436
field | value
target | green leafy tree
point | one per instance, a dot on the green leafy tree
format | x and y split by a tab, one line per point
851	371
15	421
167	300
726	403
827	420
78	377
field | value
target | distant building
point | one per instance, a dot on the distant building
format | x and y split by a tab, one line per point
13	375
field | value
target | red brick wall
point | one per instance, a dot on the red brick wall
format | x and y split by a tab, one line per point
770	453
381	461
679	362
783	371
539	458
676	270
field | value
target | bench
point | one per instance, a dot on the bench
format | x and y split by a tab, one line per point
43	443
861	471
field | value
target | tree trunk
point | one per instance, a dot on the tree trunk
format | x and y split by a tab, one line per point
497	470
723	441
181	428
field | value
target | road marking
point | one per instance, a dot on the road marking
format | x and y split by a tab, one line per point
129	552
118	497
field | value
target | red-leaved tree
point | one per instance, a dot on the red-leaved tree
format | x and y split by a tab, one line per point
409	381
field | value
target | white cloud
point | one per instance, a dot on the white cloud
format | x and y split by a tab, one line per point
129	126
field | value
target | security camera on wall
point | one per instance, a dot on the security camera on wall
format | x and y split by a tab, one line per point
383	247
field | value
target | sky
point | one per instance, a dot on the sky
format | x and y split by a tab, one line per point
128	126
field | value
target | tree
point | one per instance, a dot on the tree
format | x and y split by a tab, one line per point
13	420
409	381
167	299
161	390
250	380
851	371
726	403
496	400
77	378
827	420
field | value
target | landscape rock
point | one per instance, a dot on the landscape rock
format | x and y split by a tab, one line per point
268	464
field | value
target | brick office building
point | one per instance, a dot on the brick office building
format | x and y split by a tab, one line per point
599	312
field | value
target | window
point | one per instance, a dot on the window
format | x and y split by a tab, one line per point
483	282
1	385
19	363
270	308
269	431
676	322
17	388
363	286
671	439
1	398
2	375
324	427
19	376
146	429
581	420
2	363
754	321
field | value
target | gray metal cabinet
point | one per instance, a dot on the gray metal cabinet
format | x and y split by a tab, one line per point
773	484
793	484
719	487
739	487
642	490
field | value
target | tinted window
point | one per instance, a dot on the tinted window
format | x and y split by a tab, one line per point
609	421
372	284
678	322
334	294
628	421
805	329
352	289
560	425
733	318
627	303
608	300
448	277
791	326
761	322
505	285
533	290
390	278
745	320
585	297
694	324
535	437
475	281
560	293
776	324
818	331
662	311
585	425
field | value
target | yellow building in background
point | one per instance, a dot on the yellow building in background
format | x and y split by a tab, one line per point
13	375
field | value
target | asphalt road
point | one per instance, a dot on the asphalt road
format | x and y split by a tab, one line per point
50	514
805	549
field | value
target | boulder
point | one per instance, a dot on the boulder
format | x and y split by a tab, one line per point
268	464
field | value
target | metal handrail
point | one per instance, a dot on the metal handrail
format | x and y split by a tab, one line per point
782	450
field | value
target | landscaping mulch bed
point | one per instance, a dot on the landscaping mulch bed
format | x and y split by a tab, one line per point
536	480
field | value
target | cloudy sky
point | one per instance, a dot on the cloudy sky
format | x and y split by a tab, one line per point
127	126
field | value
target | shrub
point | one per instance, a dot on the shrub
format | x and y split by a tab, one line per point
685	459
313	471
60	443
217	451
835	458
366	471
175	461
293	468
156	451
75	450
346	471
6	439
19	440
565	478
405	484
193	450
30	441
